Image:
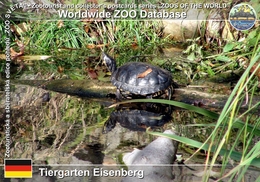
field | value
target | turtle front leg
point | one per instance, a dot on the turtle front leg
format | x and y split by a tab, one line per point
118	95
169	92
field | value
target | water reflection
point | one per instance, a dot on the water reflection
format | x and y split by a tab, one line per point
55	129
138	117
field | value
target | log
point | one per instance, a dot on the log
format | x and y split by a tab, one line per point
202	96
81	88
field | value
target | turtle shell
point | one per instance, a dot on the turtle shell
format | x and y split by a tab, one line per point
141	78
135	120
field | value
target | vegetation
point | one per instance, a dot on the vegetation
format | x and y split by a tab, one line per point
233	127
73	40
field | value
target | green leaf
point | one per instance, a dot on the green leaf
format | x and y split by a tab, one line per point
223	58
191	57
252	34
229	46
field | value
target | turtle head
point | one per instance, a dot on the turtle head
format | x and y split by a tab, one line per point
109	62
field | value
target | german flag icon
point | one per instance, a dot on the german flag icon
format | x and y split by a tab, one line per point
17	168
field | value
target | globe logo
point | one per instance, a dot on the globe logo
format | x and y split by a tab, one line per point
242	17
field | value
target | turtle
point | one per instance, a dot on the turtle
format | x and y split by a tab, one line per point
138	117
139	79
135	120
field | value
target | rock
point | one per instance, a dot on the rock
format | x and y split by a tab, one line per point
180	30
154	160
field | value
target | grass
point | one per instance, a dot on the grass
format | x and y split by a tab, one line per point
46	36
221	141
64	39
